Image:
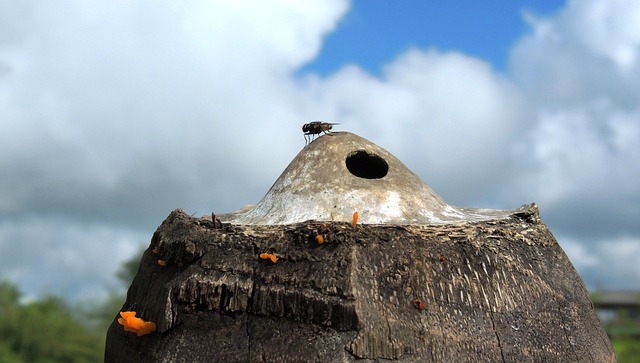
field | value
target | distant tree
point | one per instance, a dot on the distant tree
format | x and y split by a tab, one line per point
129	269
624	332
108	310
44	331
9	307
51	330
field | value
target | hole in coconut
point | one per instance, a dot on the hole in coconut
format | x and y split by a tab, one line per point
366	165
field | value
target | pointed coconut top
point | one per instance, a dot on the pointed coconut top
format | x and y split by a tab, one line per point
340	173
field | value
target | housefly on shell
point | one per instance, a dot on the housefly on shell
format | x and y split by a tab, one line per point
315	128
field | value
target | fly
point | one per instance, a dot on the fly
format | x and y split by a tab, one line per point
315	128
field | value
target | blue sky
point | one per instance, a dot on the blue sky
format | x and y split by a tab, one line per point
114	115
374	32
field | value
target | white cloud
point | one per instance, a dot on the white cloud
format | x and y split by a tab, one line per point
150	97
587	53
64	257
608	28
589	152
115	114
578	254
610	263
447	115
580	159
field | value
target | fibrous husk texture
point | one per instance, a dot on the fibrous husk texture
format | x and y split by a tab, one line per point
491	291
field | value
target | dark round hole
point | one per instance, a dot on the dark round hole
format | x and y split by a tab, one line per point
365	165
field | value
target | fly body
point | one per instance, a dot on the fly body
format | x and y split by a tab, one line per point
315	128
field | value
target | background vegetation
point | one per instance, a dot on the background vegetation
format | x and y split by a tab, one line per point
624	333
53	330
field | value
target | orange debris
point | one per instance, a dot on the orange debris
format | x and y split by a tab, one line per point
162	262
319	239
135	325
354	223
418	304
269	256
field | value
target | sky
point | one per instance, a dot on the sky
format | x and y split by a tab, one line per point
112	114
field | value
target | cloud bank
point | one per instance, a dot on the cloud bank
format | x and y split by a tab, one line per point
113	115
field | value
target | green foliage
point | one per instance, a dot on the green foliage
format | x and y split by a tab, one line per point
103	313
129	269
627	350
51	330
624	333
43	331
